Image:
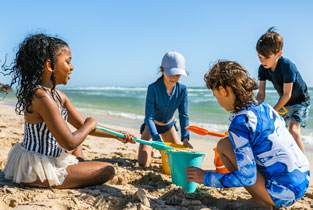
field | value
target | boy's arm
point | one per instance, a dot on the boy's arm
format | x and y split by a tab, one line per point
285	97
261	94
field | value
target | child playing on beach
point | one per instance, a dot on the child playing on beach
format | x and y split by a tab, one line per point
259	152
164	97
287	81
51	154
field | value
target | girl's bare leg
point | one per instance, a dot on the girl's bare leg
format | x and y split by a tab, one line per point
145	151
258	190
82	174
171	136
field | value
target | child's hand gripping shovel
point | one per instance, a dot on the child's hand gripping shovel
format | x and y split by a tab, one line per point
155	144
282	112
203	132
220	168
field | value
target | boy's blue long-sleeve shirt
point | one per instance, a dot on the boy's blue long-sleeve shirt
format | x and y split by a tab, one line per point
261	142
161	106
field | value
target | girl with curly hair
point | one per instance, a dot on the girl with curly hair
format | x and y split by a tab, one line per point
50	154
259	152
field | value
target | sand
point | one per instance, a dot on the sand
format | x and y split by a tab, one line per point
143	188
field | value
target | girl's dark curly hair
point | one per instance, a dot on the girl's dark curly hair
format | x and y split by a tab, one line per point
28	66
231	74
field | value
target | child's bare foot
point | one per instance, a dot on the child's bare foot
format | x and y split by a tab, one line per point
117	180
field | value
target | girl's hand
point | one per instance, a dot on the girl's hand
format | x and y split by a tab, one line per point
187	144
129	138
195	174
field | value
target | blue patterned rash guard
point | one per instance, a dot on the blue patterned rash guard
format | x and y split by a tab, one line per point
261	141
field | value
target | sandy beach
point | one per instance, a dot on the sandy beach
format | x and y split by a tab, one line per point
143	188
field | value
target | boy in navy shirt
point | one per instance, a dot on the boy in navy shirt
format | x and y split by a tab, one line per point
286	80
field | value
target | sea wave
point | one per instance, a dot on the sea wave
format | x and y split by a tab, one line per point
116	95
270	91
202	100
144	89
198	90
127	115
91	110
109	88
127	88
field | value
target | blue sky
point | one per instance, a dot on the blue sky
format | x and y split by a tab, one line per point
121	43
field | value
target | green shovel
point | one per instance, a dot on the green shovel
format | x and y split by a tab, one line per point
155	144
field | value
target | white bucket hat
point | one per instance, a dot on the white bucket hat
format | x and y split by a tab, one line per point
173	63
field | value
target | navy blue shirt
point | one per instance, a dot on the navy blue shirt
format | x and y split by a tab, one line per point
286	72
161	106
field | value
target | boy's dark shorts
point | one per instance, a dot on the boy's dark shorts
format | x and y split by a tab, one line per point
298	113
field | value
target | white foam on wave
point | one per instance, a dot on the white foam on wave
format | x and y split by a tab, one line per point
130	116
91	110
271	91
192	94
116	95
127	115
198	90
201	100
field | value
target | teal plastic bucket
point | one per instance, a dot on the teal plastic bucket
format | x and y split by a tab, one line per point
178	162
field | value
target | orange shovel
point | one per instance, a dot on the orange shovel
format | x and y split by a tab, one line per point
203	132
220	168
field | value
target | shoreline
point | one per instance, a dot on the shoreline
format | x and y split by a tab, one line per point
157	186
134	125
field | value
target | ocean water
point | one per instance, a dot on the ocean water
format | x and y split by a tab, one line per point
126	106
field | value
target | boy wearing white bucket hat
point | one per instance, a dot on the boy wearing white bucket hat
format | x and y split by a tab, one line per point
164	97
